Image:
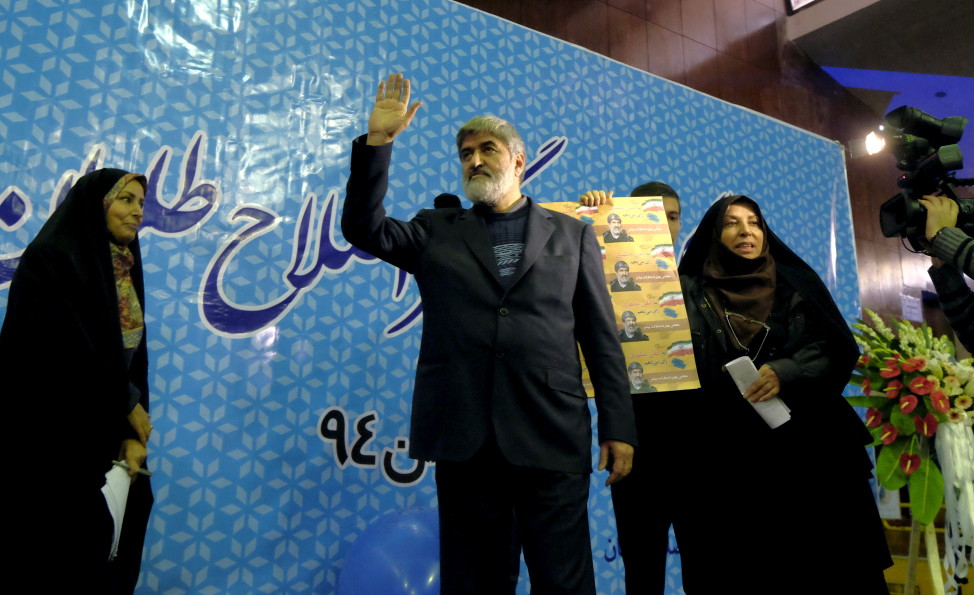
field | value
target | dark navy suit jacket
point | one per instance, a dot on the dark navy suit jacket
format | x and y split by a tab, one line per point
496	361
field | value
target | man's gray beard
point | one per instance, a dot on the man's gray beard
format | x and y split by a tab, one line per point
490	189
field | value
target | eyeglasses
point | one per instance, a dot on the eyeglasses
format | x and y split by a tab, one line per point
747	351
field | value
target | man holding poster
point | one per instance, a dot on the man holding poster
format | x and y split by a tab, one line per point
643	511
508	289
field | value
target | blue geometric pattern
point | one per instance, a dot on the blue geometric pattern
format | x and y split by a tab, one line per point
280	398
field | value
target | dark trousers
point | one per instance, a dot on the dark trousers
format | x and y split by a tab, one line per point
486	505
643	518
654	495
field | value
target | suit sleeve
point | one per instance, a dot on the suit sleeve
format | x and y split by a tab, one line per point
595	331
364	221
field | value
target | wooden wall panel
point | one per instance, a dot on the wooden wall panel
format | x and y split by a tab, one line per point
734	50
666	13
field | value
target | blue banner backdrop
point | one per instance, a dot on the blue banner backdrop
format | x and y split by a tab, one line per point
282	359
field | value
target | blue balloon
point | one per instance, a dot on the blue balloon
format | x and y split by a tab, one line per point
397	555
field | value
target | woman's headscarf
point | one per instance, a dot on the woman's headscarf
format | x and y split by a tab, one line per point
80	220
741	286
67	371
78	227
702	258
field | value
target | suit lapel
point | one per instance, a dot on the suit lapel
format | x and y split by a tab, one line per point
539	230
473	230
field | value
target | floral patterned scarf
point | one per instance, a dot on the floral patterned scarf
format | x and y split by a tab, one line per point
129	308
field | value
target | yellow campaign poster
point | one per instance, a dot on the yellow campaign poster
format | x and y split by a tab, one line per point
640	273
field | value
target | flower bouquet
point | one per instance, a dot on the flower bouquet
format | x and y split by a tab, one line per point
913	386
912	383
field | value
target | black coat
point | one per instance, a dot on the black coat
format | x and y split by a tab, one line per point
785	496
496	361
69	390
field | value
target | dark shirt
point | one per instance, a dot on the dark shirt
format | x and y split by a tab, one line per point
506	232
631	286
639	335
645	387
623	237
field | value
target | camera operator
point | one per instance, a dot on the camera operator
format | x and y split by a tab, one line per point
953	253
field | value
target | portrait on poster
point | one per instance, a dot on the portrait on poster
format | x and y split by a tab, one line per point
638	260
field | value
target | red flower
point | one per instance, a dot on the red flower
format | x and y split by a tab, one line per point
939	401
913	364
893	389
890	369
909	463
867	388
921	385
863	361
926	425
888	434
908	403
874	417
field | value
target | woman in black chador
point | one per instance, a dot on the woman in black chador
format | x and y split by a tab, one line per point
73	354
761	510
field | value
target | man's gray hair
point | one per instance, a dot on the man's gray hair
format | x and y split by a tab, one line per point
494	126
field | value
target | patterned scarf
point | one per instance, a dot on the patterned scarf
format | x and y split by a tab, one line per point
129	308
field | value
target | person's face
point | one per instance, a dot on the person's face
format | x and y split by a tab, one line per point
615	226
622	273
124	217
672	208
629	324
636	376
742	231
488	170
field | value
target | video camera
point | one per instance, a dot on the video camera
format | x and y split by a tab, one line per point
927	153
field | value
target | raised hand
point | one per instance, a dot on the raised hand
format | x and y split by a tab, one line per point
392	112
594	198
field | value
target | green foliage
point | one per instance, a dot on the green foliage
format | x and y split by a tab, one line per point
888	471
877	434
902	422
894	356
926	492
860	401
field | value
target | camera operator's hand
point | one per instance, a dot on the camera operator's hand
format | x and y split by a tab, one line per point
941	212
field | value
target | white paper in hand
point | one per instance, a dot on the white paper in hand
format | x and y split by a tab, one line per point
116	491
773	411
